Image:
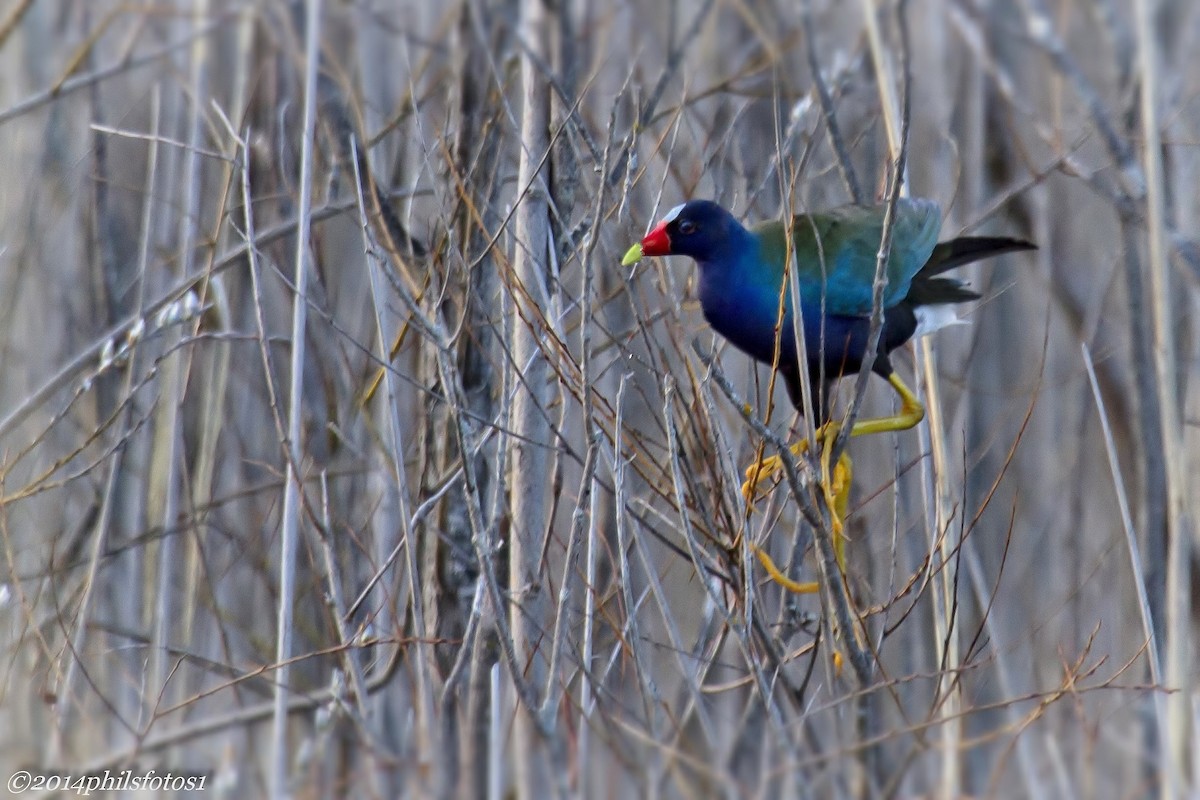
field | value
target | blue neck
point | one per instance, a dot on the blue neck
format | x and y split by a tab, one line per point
739	291
731	267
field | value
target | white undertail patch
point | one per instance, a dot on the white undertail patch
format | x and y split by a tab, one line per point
932	318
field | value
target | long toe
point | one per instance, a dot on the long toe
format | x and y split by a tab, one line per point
761	473
762	469
808	587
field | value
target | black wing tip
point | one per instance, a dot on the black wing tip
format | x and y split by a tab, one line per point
1006	244
967	249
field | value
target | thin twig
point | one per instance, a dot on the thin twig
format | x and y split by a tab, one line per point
293	445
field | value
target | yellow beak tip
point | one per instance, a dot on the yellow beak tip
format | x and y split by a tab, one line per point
632	255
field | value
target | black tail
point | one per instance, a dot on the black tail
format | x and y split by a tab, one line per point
927	290
965	249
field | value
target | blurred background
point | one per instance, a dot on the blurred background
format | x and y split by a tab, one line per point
339	457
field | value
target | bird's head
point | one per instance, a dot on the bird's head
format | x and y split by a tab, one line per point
698	228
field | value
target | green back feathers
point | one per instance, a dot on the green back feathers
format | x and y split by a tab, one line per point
836	253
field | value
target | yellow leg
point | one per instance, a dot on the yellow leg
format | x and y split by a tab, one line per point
835	483
911	412
770	469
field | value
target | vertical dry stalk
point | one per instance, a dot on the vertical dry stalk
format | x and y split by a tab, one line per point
168	443
1177	671
294	451
530	445
945	632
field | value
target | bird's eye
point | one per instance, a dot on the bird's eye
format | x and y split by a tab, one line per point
687	227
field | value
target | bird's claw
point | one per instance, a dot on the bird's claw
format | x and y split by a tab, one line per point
768	471
835	487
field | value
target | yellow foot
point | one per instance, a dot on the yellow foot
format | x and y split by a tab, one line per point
835	482
835	486
763	476
769	471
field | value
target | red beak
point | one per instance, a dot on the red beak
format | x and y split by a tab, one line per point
657	243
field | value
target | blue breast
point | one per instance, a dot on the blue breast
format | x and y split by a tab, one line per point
746	312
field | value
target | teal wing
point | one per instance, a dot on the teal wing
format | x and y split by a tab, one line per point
836	252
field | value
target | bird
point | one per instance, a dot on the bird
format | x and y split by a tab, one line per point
745	297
